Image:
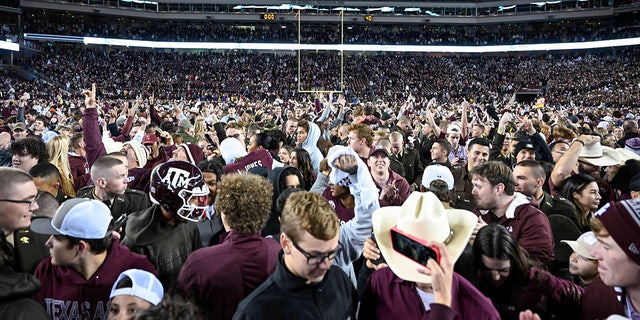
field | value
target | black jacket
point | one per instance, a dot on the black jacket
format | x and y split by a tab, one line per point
28	250
16	290
558	205
412	165
286	296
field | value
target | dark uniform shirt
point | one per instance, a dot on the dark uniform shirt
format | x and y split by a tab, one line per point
131	201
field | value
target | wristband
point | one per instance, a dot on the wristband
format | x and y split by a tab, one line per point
578	140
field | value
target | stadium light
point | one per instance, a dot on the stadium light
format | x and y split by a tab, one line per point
363	47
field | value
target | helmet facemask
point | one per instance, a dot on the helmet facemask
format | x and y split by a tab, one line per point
194	204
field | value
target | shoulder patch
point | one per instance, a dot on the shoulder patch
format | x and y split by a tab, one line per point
134	191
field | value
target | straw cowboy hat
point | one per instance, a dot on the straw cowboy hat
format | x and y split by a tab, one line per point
423	216
599	155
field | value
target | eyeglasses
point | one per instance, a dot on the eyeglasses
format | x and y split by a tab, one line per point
314	260
29	202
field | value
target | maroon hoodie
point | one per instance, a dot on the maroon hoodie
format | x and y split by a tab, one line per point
66	294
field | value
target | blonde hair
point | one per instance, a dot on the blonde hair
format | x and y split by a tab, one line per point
58	149
308	211
199	128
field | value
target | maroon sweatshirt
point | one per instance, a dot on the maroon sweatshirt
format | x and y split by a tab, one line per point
66	294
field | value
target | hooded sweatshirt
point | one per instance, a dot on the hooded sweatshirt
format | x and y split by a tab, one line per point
529	226
66	294
310	144
166	245
273	225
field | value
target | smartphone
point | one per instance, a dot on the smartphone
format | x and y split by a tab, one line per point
209	140
413	248
381	259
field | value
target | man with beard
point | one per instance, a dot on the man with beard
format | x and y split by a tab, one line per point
497	202
585	155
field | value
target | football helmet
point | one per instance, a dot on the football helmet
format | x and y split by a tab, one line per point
179	187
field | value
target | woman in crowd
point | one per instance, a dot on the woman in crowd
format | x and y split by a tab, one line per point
58	149
199	128
582	265
583	191
301	160
285	154
134	291
514	283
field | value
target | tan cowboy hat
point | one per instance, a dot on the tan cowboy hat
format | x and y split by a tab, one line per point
423	216
599	155
624	155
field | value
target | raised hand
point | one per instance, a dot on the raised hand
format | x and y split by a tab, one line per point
347	163
90	97
441	274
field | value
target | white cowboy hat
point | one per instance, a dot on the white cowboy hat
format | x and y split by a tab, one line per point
599	155
423	216
625	154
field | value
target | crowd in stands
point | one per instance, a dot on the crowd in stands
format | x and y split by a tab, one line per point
76	24
580	79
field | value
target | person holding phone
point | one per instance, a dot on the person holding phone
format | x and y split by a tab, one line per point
515	283
420	241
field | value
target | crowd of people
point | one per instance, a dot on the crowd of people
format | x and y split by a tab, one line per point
77	24
579	79
236	209
177	185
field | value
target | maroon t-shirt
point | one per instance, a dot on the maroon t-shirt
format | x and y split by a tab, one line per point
344	214
258	158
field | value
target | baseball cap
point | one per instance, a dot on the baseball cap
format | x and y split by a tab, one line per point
454	128
80	218
583	245
144	286
185	124
149	138
378	149
437	172
121	120
19	126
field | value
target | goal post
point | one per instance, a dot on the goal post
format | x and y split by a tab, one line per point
340	53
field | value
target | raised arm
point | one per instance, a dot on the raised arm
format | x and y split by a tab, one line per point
91	128
464	125
349	170
432	122
566	163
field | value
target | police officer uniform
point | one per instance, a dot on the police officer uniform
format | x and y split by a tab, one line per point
550	205
131	201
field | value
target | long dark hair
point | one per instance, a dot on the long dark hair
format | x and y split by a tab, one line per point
577	183
305	167
494	241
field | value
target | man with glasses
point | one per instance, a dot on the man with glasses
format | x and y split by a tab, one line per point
18	201
304	274
306	279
